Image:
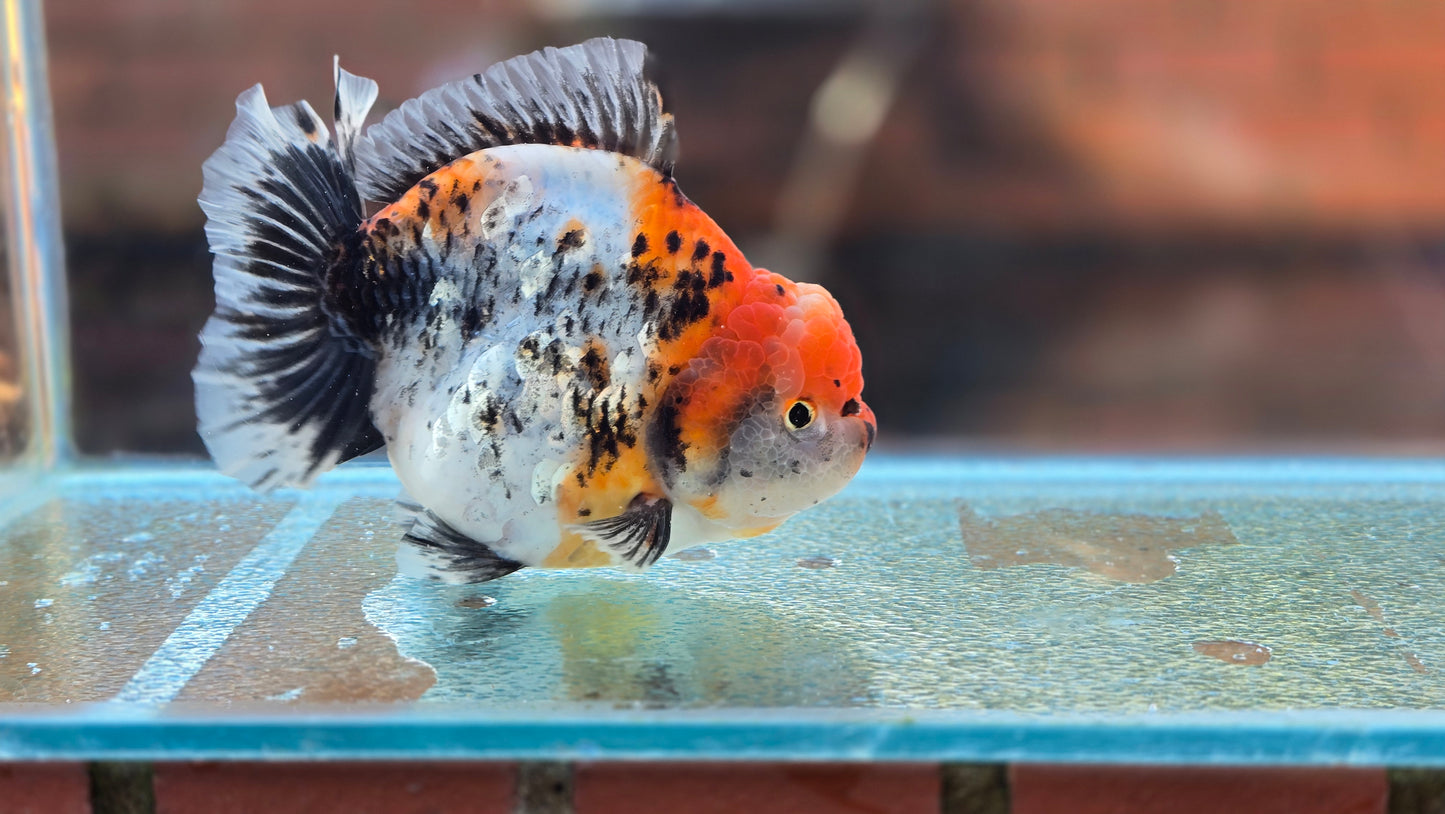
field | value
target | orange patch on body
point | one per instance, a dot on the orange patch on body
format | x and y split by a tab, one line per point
601	495
757	531
659	209
707	507
437	201
575	551
762	333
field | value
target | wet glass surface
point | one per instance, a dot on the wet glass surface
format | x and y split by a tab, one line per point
1246	610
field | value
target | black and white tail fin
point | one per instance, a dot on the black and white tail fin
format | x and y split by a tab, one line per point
282	389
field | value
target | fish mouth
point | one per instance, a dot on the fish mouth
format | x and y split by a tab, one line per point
870	424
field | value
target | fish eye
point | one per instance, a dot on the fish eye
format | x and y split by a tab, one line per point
801	415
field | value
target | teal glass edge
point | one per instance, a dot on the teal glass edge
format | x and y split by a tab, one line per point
1395	738
881	470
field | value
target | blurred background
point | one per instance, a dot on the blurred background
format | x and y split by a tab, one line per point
1121	225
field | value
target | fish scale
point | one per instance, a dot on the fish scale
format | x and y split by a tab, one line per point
568	362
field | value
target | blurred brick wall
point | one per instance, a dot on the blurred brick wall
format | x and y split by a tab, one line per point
1120	223
1132	115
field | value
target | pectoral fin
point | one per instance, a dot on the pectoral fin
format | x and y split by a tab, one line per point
639	534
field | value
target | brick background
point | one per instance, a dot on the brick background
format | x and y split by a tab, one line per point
756	788
301	788
1037	789
1121	224
44	788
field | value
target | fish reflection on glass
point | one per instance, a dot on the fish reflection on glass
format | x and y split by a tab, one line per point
568	362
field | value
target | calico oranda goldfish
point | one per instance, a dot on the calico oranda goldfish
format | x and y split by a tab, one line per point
568	362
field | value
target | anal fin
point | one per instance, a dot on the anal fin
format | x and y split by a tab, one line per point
433	549
639	534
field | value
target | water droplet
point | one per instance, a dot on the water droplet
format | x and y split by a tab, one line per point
138	537
477	602
699	554
84	574
34	667
148	562
817	562
346	642
4	651
105	625
44	603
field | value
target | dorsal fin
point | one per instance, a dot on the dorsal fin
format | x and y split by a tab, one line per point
354	97
596	94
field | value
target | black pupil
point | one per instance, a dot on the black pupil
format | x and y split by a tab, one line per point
800	415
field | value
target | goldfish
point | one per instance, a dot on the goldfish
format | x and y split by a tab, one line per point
568	363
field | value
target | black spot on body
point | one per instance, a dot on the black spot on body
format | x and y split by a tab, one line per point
639	246
664	438
623	428
572	240
596	368
719	273
700	250
850	407
305	122
674	242
593	279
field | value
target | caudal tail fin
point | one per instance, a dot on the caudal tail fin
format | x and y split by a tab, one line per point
282	389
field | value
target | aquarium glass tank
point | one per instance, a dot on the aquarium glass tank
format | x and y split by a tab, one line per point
1151	305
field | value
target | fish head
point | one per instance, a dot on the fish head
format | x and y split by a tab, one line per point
767	418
